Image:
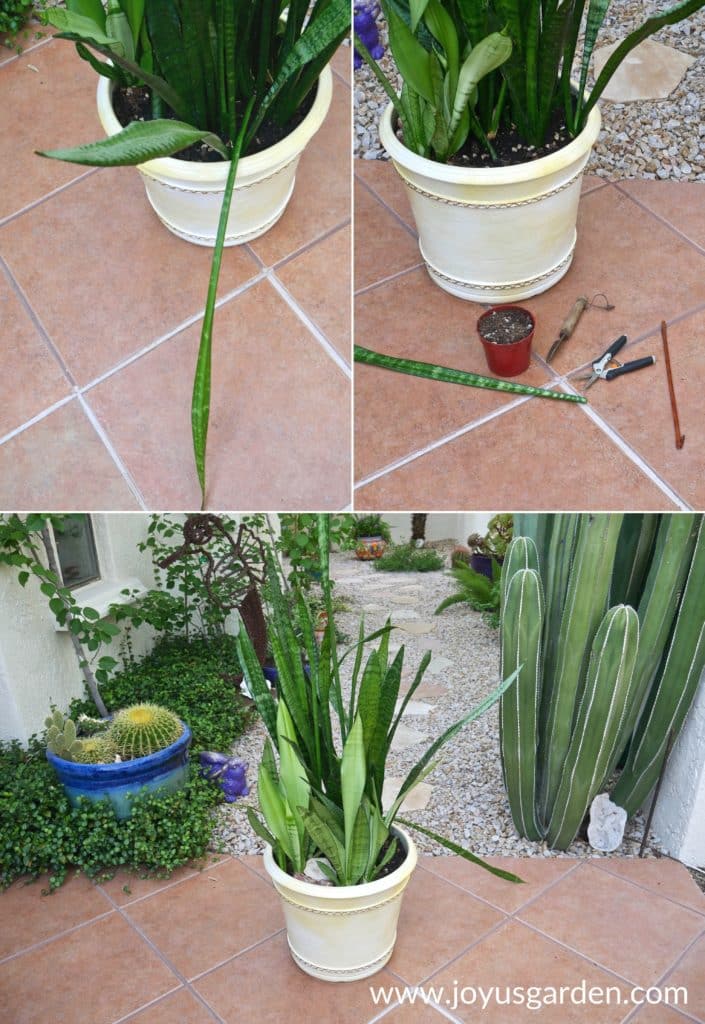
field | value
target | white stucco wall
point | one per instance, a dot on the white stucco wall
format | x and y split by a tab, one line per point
679	819
38	665
440	525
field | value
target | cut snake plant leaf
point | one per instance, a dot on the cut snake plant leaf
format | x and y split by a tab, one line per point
138	142
444	373
462	852
201	396
487	56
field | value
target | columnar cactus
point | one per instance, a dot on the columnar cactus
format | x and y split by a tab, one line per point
596	680
143	729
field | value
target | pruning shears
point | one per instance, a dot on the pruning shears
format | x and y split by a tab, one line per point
607	367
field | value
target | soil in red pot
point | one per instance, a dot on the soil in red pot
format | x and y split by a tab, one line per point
505	326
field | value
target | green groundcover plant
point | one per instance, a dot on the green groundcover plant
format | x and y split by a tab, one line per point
407	558
42	833
470	65
223	70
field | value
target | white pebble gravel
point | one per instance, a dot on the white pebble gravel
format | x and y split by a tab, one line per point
468	802
660	139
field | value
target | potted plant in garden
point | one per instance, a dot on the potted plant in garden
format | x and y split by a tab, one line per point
496	134
488	551
371	535
142	746
336	856
209	101
506	333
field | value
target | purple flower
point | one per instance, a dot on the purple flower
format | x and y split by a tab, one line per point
366	28
227	771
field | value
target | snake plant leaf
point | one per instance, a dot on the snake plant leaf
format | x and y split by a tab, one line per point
134	9
135	144
410	57
358	855
449	733
674	14
442	28
201	395
416	11
273	808
292	777
489	54
430	371
259	829
460	851
84	27
92	9
418	679
117	25
326	840
319	36
353	775
252	671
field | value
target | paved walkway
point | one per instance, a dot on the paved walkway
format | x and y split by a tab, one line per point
210	947
640	242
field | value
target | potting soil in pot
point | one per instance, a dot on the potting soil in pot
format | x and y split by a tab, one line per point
134	104
506	326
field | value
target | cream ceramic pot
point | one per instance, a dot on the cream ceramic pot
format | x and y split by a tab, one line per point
187	196
342	933
495	234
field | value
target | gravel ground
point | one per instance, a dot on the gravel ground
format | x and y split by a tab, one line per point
468	803
660	139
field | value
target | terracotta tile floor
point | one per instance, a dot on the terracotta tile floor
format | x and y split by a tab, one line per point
447	447
209	946
99	321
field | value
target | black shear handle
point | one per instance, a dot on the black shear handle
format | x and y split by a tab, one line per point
636	364
614	348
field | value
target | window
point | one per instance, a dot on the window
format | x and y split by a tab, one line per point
75	548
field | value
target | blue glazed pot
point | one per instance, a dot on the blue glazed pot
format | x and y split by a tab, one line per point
166	771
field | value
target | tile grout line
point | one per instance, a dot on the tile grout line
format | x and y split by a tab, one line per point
659	217
634	457
36	321
307	247
164	888
183	326
49	195
434	445
112	452
445	1014
390	209
167	963
639	885
312	327
52	938
153	1002
16	431
241	952
677	963
387	280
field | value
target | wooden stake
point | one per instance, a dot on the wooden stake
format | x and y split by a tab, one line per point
680	438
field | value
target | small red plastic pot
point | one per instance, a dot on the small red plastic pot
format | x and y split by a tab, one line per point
511	359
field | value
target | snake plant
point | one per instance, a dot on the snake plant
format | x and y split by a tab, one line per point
534	82
324	799
597	678
222	69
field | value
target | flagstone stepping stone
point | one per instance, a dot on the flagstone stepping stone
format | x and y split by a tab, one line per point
373	608
416	628
417	799
403	613
427	690
402	599
438	664
650	71
406	737
415	708
410	588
